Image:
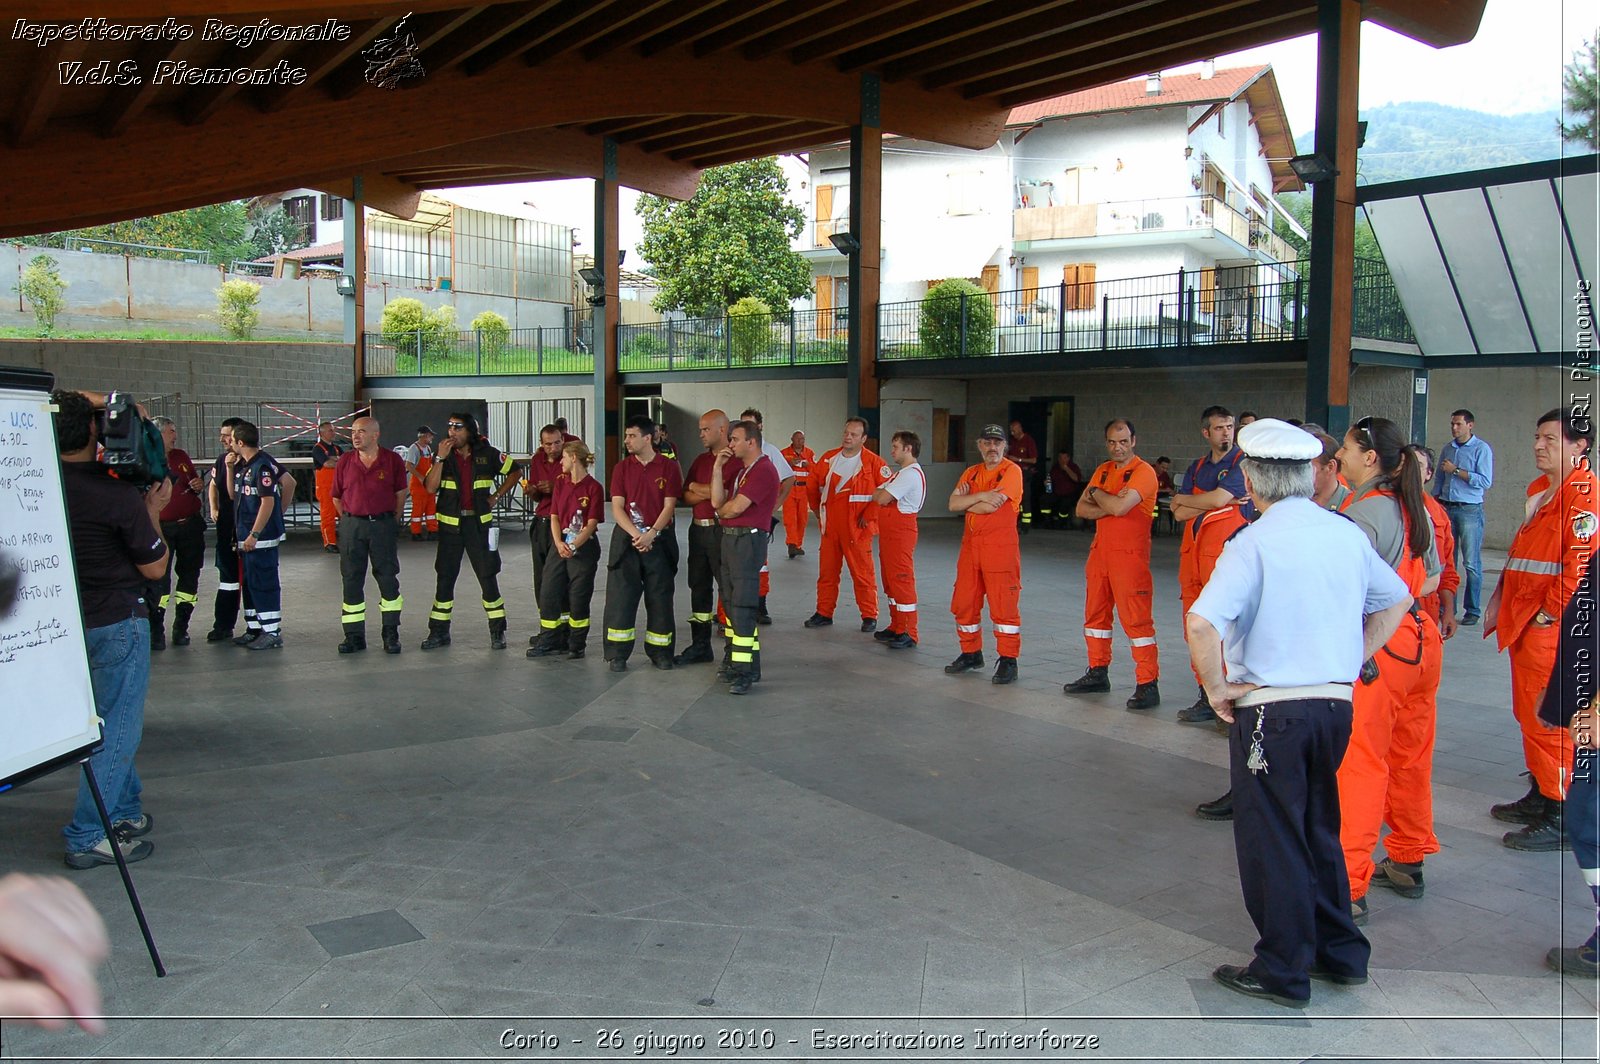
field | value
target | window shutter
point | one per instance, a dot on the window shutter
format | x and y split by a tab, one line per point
1208	289
824	325
991	284
1030	278
1086	297
824	217
1069	277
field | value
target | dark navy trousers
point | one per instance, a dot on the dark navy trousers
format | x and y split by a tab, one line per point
1286	833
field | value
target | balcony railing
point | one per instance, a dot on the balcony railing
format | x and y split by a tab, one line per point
1169	214
789	338
473	352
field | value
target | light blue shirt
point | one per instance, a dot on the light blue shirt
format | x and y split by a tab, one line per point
1476	460
1289	594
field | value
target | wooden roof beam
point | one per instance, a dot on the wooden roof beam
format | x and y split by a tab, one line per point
428	29
949	33
561	19
1067	31
657	129
1115	64
845	25
705	20
756	26
630	33
328	60
801	135
201	103
481	32
734	127
42	91
510	177
581	35
644	125
129	103
892	20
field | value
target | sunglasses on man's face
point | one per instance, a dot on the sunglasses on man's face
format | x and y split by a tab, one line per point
454	425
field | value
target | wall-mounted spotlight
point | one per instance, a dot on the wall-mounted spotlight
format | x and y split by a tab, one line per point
596	280
1313	168
845	243
344	284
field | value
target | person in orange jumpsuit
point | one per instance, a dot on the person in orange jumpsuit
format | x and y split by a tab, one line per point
424	506
990	563
899	501
1121	501
797	507
1543	567
1387	773
1441	605
324	456
841	492
1212	508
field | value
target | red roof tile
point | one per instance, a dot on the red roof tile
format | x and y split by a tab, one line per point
1176	89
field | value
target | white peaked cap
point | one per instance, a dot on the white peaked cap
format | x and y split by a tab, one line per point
1269	438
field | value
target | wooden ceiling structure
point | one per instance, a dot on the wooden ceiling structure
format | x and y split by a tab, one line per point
533	89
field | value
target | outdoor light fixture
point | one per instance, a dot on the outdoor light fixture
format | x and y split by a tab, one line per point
1312	168
593	276
845	243
622	256
345	285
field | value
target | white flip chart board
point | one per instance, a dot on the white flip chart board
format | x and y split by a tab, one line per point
47	712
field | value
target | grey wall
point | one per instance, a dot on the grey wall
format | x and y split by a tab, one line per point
198	370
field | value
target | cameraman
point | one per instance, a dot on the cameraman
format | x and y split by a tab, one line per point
117	544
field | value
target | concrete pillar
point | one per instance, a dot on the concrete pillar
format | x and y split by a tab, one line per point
355	266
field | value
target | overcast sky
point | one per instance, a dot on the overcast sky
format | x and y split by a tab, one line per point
1512	67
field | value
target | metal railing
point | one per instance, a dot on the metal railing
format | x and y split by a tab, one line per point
1166	214
73	242
786	338
477	353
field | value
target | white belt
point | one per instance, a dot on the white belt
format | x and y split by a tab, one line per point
1341	692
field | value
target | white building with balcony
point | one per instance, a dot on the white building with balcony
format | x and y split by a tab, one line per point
1135	179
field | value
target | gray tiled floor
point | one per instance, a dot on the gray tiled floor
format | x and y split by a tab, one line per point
864	837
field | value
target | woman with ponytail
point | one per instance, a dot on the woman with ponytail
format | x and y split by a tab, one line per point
1387	773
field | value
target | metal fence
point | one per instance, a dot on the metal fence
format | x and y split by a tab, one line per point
786	338
476	352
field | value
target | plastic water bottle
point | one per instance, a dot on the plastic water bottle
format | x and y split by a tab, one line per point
637	518
574	527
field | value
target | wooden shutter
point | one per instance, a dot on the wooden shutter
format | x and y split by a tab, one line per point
1208	289
1030	281
1069	277
1086	297
824	218
991	284
824	324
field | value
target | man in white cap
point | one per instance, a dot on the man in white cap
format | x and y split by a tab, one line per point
1298	602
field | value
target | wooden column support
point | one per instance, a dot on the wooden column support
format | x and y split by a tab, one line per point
866	225
607	383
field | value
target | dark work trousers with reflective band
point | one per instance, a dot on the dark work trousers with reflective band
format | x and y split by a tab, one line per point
1286	832
365	541
470	537
263	594
225	614
187	556
565	594
744	552
632	575
705	577
539	537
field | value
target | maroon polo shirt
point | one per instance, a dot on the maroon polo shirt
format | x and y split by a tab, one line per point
366	491
584	499
758	483
185	503
541	469
700	473
647	487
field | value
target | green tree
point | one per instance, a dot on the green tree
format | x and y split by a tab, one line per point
41	286
238	307
275	232
220	229
749	328
1580	81
494	332
730	240
957	319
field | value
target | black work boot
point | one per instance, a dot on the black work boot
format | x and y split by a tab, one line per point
180	624
1145	696
158	628
699	649
1005	671
355	639
577	638
1546	834
965	662
762	616
1216	809
1528	809
497	634
1095	680
1199	713
438	635
391	638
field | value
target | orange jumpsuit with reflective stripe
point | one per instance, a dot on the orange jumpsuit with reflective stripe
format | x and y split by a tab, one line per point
1387	773
424	504
797	507
897	557
990	564
1118	571
1545	563
1444	541
1203	540
326	511
849	521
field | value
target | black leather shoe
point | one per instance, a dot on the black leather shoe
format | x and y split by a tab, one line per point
1199	713
1145	696
1469	620
869	624
1529	809
1318	972
1005	671
698	653
353	645
663	663
794	551
1240	981
1547	835
885	636
617	665
1217	809
762	616
817	620
1096	679
435	640
219	635
901	641
543	650
965	663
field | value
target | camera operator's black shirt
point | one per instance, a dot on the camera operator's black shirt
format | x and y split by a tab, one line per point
111	535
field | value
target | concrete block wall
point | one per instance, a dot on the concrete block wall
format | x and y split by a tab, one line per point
200	371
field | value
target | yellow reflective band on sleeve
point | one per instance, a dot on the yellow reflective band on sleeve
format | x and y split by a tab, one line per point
449	519
507	466
447	483
579	622
658	639
391	605
485	518
185	597
486	485
620	635
163	602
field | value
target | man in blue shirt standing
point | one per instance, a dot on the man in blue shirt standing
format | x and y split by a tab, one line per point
1466	471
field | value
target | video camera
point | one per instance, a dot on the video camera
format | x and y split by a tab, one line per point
132	444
